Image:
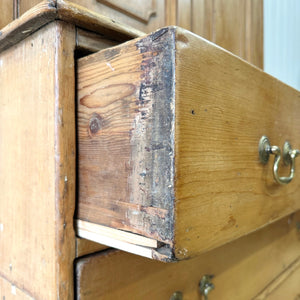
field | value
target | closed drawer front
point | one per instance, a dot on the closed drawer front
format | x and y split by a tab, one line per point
168	131
242	269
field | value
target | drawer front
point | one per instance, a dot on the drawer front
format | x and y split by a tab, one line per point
241	269
285	286
168	133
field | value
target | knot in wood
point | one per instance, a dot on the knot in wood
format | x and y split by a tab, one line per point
95	123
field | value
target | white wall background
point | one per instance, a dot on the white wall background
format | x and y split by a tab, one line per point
282	40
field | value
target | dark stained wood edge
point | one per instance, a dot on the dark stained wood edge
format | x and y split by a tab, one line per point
155	148
50	10
65	158
152	153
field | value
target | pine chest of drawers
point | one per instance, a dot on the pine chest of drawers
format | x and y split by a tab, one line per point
149	145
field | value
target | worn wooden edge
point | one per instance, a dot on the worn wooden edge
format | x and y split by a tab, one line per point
65	156
122	240
279	280
50	10
180	33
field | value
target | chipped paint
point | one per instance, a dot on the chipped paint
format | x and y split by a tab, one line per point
1	227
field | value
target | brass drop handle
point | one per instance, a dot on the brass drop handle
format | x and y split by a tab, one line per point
206	286
288	154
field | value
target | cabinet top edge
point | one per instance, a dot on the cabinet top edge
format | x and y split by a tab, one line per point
51	10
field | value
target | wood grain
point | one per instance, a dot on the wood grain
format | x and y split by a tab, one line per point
37	155
229	26
241	268
234	25
65	158
124	146
140	10
203	19
223	107
184	14
254	38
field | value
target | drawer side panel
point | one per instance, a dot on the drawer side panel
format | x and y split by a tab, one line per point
126	136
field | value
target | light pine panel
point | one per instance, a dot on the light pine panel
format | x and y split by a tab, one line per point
8	291
236	25
37	163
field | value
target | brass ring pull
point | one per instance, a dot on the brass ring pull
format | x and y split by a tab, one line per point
288	154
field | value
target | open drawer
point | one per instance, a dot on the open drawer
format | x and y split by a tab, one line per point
168	127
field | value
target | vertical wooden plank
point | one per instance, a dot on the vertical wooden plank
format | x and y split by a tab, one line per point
170	12
254	32
202	18
25	5
37	163
229	27
184	14
236	25
65	158
215	94
124	146
6	12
